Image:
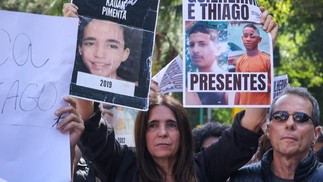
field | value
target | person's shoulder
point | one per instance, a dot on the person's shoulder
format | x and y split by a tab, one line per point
320	167
241	58
318	173
264	54
250	172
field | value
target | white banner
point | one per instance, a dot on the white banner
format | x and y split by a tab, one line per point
36	61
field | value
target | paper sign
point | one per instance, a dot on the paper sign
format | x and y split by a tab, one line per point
123	123
280	83
170	78
222	68
36	61
115	43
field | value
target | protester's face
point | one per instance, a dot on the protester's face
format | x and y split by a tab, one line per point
250	39
202	50
162	135
103	48
290	138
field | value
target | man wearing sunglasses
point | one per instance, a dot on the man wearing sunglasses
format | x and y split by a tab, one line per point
254	60
293	129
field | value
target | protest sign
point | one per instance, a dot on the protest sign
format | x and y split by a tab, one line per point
170	78
280	83
115	44
36	61
123	122
222	67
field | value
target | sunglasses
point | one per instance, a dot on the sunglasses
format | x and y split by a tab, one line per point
298	117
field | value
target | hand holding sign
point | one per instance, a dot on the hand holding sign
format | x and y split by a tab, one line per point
72	122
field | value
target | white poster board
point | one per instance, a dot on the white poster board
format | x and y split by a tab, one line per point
280	83
36	61
221	68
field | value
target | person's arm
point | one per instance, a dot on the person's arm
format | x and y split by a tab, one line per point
98	144
85	108
235	147
254	118
269	25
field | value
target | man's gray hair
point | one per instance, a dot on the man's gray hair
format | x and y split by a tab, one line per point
304	93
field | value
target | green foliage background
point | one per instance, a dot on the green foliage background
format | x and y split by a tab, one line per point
298	50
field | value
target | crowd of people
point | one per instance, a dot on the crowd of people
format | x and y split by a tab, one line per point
168	149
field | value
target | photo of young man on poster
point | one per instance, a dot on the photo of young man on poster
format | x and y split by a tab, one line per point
256	59
106	49
102	47
207	53
113	56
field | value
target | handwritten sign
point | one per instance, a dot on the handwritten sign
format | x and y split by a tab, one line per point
36	61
